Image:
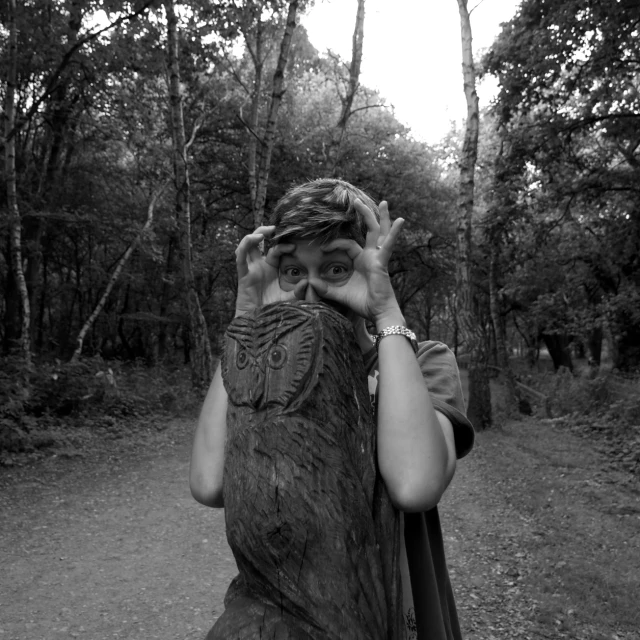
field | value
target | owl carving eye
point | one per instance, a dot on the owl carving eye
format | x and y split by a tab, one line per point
277	356
242	359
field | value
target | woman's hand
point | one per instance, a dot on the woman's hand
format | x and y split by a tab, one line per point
369	292
258	274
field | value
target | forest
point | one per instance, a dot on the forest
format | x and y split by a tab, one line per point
142	140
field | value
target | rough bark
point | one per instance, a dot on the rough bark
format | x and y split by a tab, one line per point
114	277
201	360
352	88
308	519
513	396
257	56
263	147
354	68
15	221
479	409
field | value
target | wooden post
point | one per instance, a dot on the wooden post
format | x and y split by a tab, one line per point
308	518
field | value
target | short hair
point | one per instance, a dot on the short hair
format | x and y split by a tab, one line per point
323	209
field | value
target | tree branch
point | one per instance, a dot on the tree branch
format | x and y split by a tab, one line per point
52	82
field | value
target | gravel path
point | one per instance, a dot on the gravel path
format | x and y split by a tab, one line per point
542	540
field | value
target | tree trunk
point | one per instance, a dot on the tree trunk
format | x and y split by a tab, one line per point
594	344
15	221
202	360
12	304
512	393
164	301
479	410
268	140
254	117
114	277
558	347
354	83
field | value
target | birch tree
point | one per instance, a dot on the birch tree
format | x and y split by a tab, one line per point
260	146
15	221
201	357
479	409
115	275
353	84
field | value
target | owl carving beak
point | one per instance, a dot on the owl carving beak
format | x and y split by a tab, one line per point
256	388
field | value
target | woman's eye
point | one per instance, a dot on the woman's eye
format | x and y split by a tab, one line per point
337	272
291	274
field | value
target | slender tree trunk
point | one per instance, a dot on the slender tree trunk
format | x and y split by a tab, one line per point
352	88
12	304
15	221
254	117
513	394
268	140
114	277
164	301
479	409
201	360
503	201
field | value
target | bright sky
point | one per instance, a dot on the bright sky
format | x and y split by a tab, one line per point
412	53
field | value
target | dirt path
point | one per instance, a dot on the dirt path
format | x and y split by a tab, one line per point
542	536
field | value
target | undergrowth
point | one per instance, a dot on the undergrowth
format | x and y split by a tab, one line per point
604	408
64	404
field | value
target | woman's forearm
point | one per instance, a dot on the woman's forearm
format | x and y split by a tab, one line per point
416	450
207	454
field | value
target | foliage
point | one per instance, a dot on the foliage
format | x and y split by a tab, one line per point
66	399
98	147
566	189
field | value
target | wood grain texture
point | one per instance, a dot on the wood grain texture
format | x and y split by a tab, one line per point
308	518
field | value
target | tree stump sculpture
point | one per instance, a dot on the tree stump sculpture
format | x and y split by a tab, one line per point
308	519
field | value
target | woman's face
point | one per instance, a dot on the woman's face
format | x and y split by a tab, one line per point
310	263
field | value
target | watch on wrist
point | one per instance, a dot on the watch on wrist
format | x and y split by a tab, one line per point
397	330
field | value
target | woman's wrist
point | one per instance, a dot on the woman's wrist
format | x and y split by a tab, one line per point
390	318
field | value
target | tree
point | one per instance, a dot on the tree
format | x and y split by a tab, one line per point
15	221
569	102
262	137
114	276
201	360
49	97
479	409
352	85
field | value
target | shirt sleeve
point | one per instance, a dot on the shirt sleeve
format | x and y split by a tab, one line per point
440	372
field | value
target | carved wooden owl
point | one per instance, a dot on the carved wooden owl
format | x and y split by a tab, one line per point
308	519
273	363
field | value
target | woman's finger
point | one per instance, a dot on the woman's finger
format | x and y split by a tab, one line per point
254	239
266	230
276	252
247	249
390	241
373	228
351	247
385	220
